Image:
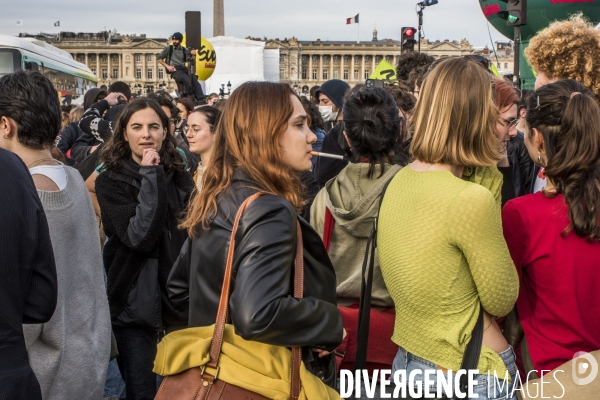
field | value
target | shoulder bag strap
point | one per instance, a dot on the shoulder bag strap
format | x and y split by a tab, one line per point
222	313
170	54
472	352
364	309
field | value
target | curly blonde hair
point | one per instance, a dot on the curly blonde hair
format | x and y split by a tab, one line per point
568	49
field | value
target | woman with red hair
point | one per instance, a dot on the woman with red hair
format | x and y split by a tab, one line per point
260	146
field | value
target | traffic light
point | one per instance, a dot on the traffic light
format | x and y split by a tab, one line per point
516	14
408	39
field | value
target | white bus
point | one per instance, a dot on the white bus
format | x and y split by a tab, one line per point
69	77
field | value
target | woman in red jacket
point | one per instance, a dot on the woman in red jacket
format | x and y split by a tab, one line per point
554	235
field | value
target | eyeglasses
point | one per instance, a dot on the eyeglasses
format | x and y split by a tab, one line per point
510	123
187	128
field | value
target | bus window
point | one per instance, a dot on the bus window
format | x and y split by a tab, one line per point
9	61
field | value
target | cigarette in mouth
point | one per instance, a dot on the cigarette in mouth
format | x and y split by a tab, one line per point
327	155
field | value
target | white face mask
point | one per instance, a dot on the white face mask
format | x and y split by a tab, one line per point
327	113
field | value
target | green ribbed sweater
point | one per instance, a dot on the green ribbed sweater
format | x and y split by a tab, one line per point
442	254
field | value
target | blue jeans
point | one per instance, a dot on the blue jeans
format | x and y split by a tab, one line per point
484	389
137	350
114	386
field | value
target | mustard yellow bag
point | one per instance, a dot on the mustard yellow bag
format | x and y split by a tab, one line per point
262	368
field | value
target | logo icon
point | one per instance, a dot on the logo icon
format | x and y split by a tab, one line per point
585	368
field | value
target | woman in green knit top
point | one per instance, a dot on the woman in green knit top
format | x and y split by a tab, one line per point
441	249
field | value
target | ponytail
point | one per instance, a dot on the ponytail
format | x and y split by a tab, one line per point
568	117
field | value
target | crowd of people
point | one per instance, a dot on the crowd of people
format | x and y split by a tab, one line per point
474	207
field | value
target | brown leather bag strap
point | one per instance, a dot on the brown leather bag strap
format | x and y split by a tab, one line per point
298	293
217	341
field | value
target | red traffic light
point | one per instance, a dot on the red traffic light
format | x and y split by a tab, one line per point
409	31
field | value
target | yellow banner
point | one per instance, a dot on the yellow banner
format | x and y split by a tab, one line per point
494	69
384	72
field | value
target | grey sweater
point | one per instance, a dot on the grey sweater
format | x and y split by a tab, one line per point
69	354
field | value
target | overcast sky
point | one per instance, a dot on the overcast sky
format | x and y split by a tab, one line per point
306	20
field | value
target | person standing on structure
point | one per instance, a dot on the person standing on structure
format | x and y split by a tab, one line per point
173	57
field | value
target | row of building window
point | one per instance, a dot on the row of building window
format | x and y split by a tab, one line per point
336	59
114	58
138	73
315	75
505	65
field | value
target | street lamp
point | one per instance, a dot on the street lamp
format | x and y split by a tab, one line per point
421	6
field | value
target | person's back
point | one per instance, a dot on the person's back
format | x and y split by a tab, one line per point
430	229
67	352
440	244
28	285
554	235
349	203
559	301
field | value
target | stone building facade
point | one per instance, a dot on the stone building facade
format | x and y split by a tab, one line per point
303	64
114	57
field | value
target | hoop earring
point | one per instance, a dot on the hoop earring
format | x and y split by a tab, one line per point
5	137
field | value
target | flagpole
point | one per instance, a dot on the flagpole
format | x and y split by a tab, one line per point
358	35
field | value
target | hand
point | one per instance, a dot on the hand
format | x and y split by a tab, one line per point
171	68
323	353
150	157
114	98
193	52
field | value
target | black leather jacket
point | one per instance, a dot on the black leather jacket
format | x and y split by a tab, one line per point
262	307
521	164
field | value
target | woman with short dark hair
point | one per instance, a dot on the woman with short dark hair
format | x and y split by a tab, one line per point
554	235
142	188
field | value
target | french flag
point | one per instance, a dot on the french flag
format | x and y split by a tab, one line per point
353	20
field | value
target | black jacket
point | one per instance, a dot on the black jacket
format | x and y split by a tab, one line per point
67	138
518	175
262	307
327	168
28	275
522	164
140	212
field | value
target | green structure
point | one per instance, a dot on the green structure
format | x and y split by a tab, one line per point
540	13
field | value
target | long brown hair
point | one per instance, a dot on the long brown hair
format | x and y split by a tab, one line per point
247	138
568	118
117	148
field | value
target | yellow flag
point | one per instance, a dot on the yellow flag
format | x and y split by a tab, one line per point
384	72
494	69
